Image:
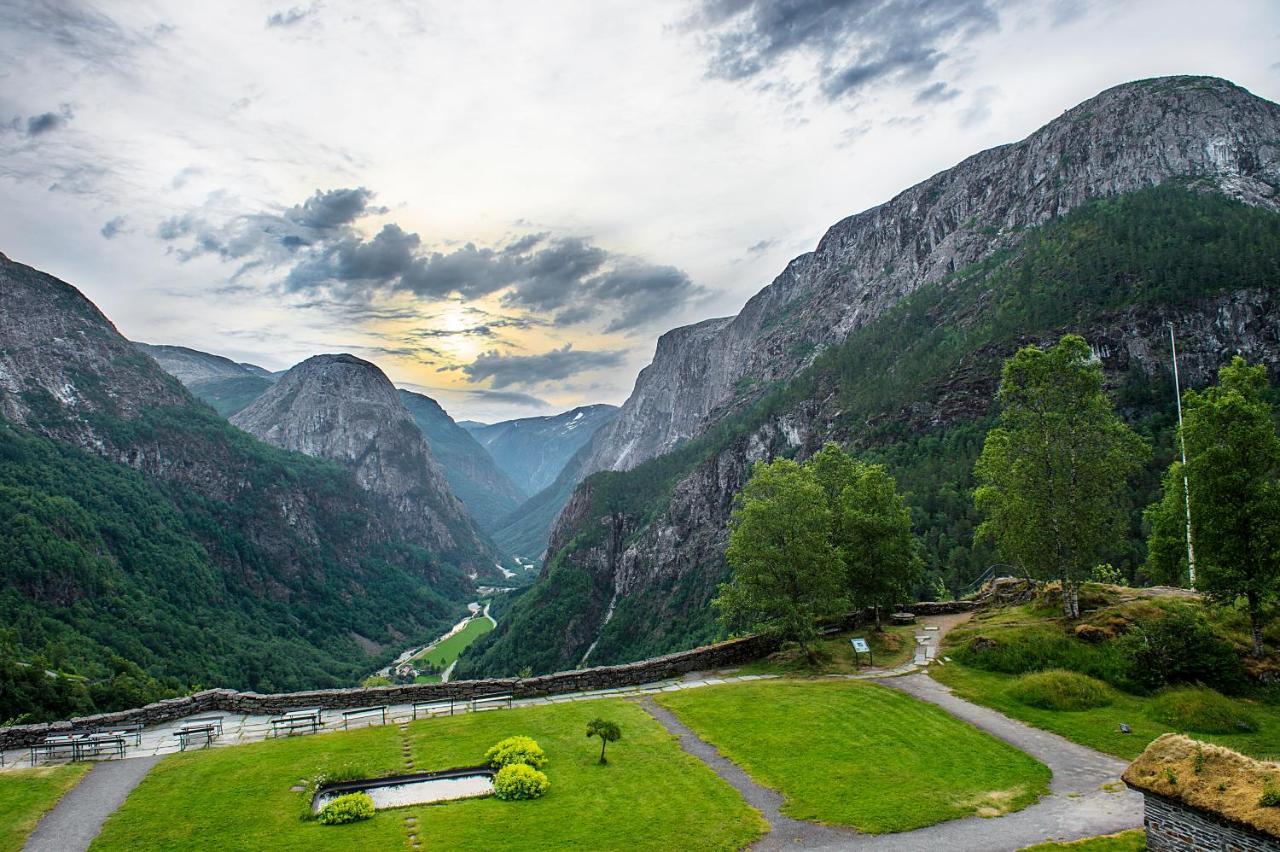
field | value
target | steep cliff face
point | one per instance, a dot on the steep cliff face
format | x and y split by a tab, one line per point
487	492
342	408
1130	137
140	523
1155	201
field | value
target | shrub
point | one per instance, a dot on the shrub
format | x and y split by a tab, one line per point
1180	647
1040	648
352	807
1058	689
1202	710
516	750
519	781
1270	797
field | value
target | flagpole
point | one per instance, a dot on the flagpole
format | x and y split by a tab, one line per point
1186	486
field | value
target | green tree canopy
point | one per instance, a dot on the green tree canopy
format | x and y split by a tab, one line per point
607	731
1233	470
787	573
1052	474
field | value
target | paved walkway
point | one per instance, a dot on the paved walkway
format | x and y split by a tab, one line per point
79	815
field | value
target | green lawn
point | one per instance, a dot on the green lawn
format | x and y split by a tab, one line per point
448	650
651	795
1125	841
859	754
28	794
890	647
239	797
1099	728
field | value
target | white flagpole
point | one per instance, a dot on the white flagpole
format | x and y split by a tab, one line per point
1186	486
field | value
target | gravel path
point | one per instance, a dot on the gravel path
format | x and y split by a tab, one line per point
79	815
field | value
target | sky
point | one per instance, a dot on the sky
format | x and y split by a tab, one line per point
503	204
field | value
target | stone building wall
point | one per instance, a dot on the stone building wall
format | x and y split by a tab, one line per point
1174	827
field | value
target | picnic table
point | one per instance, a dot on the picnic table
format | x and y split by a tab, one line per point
491	701
77	746
430	708
348	715
308	720
207	728
132	729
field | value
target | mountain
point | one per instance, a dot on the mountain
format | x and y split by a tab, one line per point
225	384
140	529
344	409
533	450
488	493
1155	201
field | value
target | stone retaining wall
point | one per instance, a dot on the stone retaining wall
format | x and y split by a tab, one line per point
1174	827
720	655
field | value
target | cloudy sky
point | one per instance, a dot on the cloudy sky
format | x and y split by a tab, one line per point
504	203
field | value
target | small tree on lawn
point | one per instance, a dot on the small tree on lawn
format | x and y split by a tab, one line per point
1233	471
871	529
1052	474
607	731
786	573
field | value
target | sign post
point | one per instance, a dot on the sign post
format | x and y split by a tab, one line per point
860	646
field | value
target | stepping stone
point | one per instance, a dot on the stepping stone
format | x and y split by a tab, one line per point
297	788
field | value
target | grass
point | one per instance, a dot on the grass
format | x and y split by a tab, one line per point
1058	689
447	650
891	647
860	755
650	795
27	795
1134	840
1099	727
1202	711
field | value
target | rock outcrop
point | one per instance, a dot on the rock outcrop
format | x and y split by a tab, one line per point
344	409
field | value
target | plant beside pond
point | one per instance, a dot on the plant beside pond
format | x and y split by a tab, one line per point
352	807
515	750
518	761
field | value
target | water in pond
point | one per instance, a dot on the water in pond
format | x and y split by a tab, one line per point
418	792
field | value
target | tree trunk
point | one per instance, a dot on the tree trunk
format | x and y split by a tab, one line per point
1070	599
603	743
1255	622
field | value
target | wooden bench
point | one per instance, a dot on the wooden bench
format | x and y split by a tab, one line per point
491	701
298	720
432	708
194	729
212	721
92	745
133	730
348	715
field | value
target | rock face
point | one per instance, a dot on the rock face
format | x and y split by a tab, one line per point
1130	137
655	568
341	408
534	450
487	492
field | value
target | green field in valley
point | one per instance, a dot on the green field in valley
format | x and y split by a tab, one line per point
444	652
861	755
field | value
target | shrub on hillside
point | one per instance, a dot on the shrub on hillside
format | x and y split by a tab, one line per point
1058	689
516	750
1042	648
519	781
1202	710
352	807
1180	647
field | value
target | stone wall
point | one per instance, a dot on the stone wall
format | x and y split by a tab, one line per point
1174	827
722	654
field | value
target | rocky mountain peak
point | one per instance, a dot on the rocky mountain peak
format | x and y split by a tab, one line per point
1205	131
345	409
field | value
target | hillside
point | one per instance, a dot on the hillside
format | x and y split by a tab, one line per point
488	493
139	526
533	450
889	338
226	385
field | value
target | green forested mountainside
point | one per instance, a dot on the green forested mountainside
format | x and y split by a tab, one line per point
102	567
1168	246
487	492
227	396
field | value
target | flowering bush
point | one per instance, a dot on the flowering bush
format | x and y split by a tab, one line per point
516	750
352	807
519	781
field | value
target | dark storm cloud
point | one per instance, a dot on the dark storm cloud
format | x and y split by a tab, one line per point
508	397
566	279
289	17
45	122
113	226
854	43
527	370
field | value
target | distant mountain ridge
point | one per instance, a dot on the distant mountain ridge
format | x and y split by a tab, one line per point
225	384
533	450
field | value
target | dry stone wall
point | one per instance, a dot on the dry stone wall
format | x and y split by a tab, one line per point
1175	827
